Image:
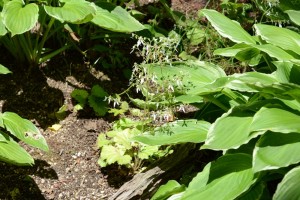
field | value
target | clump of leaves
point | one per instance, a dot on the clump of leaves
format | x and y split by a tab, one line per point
95	99
118	146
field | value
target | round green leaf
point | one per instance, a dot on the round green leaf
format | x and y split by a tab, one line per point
18	17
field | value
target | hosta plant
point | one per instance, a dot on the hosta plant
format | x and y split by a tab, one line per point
12	128
258	126
26	26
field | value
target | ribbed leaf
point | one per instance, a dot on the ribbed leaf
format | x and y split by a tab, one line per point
228	28
190	76
275	150
274	52
24	130
229	131
11	152
18	17
168	189
118	20
288	188
294	16
73	11
256	192
226	178
276	120
284	38
180	131
3	30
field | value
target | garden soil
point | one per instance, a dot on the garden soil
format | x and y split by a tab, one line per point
69	170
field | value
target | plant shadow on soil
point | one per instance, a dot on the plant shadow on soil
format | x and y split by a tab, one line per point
36	95
17	183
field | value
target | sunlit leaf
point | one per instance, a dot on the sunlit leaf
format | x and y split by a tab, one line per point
228	28
272	149
73	11
24	130
294	16
180	131
288	188
4	70
118	20
284	38
168	189
11	152
18	17
226	178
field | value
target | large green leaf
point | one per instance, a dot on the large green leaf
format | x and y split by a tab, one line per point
275	119
73	11
3	30
186	77
24	130
118	20
168	189
272	149
274	52
294	16
284	38
288	188
228	28
180	131
255	192
11	152
18	17
226	178
229	131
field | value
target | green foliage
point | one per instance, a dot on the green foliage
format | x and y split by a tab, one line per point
258	130
31	24
96	99
22	129
118	146
13	126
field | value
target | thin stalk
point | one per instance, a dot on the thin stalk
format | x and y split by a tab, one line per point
45	37
54	53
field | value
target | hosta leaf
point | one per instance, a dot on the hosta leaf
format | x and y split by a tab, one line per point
18	17
272	149
11	152
24	130
180	131
255	192
294	16
274	52
284	38
186	77
4	70
229	131
275	119
288	188
226	178
3	30
73	11
168	189
118	20
228	28
231	51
